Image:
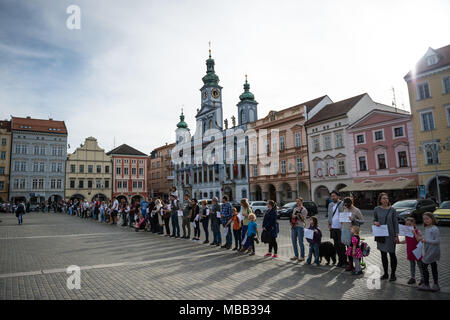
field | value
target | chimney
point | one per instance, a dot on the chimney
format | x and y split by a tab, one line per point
28	117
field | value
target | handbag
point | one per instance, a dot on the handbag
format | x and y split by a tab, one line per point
265	236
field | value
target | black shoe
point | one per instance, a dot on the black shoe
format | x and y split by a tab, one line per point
172	236
411	281
224	246
228	247
393	278
217	244
176	237
384	276
235	248
212	244
205	242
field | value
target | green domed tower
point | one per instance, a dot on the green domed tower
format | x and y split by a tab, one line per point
248	106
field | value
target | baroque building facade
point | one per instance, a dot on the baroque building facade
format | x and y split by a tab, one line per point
160	171
5	158
204	179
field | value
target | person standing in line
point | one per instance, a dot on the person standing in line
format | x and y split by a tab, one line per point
123	212
334	225
195	218
131	211
20	211
159	220
245	210
252	233
355	250
225	217
431	252
237	233
215	222
384	214
174	207
185	224
270	226
356	219
166	217
411	245
204	219
144	207
114	211
314	243
298	223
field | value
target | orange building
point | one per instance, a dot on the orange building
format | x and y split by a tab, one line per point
160	173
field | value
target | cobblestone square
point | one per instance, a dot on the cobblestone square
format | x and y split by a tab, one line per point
119	263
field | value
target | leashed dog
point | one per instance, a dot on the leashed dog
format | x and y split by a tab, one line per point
327	250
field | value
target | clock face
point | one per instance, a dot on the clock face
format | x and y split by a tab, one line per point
215	93
205	94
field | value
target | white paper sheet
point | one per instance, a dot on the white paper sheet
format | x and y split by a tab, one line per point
240	216
207	212
218	214
180	213
406	231
418	251
225	231
345	216
168	207
309	234
197	217
381	231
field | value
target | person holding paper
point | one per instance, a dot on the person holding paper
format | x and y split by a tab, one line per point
204	220
215	222
334	210
225	217
314	243
384	214
174	207
298	222
185	224
356	218
431	252
411	245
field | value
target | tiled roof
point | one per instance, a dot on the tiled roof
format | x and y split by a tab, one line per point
5	124
125	149
38	125
336	109
422	66
311	103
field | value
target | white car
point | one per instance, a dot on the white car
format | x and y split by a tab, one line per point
259	207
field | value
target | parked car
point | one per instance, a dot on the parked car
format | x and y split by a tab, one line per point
442	213
259	207
236	204
311	207
286	210
35	207
413	208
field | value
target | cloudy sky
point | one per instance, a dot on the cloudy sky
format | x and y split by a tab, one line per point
127	72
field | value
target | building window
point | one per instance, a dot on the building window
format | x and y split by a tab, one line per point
362	164
378	135
90	168
398	132
34	184
98	184
72	184
106	184
283	166
41	184
282	143
53	184
423	91
316	144
53	167
298	141
255	170
3	155
106	169
447	111
339	142
381	161
2	170
432	60
327	142
41	167
133	171
427	120
35	166
89	184
54	151
3	141
72	168
2	185
341	167
59	184
99	168
431	153
125	171
80	184
299	164
446	84
267	146
119	184
141	171
59	167
125	184
42	151
36	149
360	139
81	168
118	170
402	159
134	184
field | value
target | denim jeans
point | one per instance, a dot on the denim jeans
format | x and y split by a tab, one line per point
102	215
313	247
175	225
205	223
130	220
245	244
229	236
297	235
215	227
20	218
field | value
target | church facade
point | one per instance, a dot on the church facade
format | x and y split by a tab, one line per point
214	161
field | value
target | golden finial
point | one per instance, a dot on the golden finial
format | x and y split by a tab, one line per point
209	48
245	78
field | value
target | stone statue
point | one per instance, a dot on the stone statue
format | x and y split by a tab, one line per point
233	121
226	123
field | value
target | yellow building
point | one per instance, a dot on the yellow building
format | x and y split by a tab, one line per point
5	158
429	96
89	172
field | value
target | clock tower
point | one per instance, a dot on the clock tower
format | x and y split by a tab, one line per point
210	115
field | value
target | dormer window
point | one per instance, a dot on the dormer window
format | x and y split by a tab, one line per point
432	60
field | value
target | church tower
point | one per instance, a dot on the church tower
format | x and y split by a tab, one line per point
247	107
210	114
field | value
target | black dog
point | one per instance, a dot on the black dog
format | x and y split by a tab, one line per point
327	250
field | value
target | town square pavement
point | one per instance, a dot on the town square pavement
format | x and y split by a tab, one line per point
119	263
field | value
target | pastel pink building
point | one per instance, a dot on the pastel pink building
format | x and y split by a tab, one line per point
383	157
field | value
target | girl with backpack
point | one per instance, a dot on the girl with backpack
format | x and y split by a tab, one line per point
355	251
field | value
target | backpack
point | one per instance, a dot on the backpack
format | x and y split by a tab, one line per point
365	249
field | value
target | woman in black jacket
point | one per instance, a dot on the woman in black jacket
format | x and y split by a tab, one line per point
195	210
270	227
204	219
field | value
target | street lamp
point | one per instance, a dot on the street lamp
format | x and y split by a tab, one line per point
298	169
434	150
